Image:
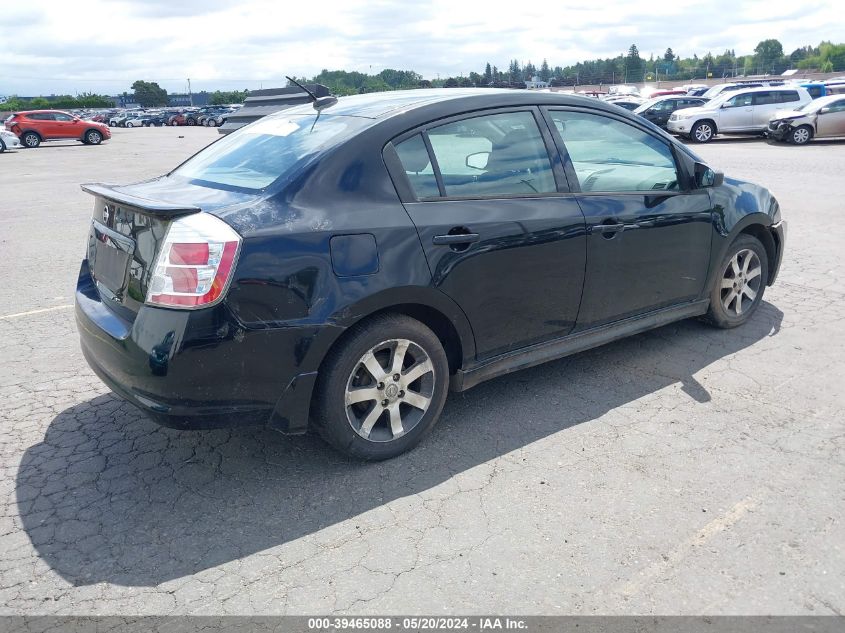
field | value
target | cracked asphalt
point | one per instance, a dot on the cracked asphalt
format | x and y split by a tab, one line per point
684	471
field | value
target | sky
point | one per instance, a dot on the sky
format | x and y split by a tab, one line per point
68	47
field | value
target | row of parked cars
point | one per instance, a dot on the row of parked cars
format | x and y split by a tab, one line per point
32	127
783	110
210	116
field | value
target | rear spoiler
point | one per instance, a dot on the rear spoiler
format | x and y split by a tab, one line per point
151	207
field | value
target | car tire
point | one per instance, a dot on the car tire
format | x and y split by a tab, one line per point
703	132
129	124
30	139
190	122
740	285
93	137
211	123
801	135
367	363
2	146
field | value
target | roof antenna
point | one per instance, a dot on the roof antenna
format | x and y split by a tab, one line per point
319	103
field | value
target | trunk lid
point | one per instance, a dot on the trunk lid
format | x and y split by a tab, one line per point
123	242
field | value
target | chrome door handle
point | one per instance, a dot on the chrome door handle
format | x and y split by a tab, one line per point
608	228
455	238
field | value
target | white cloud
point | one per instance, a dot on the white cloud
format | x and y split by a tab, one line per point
103	46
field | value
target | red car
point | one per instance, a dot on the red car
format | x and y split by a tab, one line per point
35	126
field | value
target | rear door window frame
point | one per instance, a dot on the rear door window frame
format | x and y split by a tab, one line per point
403	184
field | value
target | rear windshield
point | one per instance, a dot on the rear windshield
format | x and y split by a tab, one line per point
257	155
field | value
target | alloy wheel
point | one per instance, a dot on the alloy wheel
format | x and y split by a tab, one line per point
703	133
389	390
741	281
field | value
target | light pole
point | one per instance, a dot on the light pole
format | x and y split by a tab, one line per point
190	94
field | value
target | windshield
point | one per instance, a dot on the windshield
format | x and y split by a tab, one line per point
257	155
810	106
645	106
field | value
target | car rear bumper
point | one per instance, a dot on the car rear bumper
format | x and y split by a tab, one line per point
193	369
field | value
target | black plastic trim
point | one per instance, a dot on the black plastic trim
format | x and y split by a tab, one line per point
537	354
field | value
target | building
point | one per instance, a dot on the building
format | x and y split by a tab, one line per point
536	82
260	103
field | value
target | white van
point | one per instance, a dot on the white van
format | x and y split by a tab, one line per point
740	112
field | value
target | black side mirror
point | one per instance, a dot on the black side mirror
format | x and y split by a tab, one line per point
707	177
478	160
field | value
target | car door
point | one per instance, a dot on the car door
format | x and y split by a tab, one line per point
765	104
736	113
648	232
831	119
64	126
659	113
501	237
45	124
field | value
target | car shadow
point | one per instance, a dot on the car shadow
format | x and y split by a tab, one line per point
108	496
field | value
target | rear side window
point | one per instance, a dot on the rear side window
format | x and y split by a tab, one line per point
40	116
767	97
417	165
491	155
788	96
257	155
609	155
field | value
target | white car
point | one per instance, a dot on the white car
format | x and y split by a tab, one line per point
740	112
9	140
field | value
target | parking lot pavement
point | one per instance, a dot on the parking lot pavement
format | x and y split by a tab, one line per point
683	471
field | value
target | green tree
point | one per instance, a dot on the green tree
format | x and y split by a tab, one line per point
488	74
634	66
767	53
149	93
669	55
220	97
545	73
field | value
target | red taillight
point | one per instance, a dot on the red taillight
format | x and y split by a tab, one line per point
195	262
189	253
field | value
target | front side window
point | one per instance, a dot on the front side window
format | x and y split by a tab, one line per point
836	106
492	155
609	155
63	117
740	101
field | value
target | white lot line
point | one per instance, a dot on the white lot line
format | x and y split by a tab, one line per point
21	314
683	549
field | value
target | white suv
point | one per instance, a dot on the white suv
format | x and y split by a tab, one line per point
739	112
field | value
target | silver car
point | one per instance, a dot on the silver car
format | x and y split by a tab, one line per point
8	140
822	118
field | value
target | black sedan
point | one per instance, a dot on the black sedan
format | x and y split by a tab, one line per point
659	109
343	266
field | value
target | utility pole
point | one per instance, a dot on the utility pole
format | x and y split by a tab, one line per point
190	94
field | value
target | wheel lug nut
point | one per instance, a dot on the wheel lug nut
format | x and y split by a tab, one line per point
381	385
384	403
401	394
395	377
